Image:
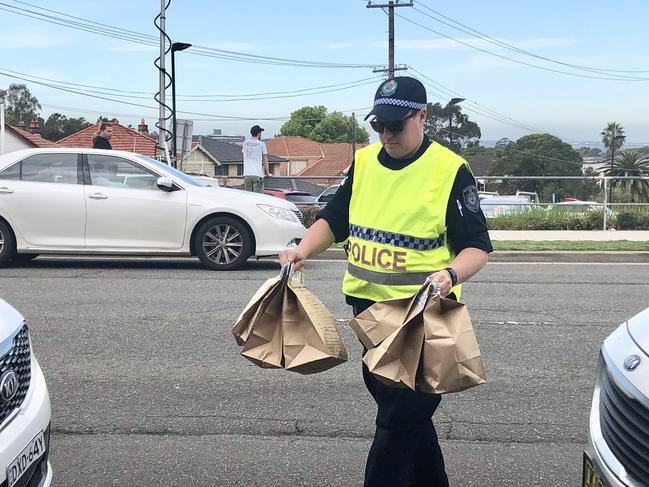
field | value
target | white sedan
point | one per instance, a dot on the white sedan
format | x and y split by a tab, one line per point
99	202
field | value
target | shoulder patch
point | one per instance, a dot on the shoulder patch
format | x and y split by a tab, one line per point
471	200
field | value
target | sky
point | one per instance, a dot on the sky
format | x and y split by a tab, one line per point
506	98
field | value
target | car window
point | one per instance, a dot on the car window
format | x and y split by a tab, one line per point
12	172
50	168
168	169
328	194
115	171
300	198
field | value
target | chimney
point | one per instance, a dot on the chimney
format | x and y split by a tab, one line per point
34	127
143	128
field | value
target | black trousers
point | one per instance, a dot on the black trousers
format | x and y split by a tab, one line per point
405	451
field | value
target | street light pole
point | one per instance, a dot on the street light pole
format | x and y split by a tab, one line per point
613	142
454	101
176	46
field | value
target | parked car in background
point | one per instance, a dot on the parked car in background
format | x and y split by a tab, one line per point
328	194
495	206
617	454
301	199
24	407
98	202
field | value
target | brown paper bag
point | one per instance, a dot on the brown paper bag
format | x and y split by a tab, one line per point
433	349
285	325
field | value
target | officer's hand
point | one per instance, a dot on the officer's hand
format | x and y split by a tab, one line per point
443	281
292	255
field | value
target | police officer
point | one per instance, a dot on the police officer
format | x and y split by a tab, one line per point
411	212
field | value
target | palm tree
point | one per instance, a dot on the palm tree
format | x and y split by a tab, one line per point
631	163
609	134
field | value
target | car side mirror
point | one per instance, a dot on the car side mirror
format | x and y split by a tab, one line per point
165	184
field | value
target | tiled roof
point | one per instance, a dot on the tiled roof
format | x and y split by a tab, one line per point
337	158
226	152
123	138
294	147
35	139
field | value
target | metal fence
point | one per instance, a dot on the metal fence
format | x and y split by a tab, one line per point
604	182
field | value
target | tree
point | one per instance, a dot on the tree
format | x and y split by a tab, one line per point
21	107
612	130
59	126
465	132
315	123
539	155
631	163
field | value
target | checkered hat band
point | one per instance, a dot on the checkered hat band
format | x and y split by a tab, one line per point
395	239
400	103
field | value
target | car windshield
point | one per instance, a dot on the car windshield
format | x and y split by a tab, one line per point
300	198
175	172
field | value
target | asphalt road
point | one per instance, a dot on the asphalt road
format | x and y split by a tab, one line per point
147	386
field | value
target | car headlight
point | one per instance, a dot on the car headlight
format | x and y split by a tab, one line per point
281	213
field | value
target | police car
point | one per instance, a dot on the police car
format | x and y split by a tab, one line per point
24	407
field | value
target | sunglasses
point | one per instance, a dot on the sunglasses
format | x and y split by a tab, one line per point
392	127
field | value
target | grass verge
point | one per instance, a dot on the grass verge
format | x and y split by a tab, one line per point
571	246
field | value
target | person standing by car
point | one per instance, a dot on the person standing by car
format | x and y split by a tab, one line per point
255	161
101	140
411	211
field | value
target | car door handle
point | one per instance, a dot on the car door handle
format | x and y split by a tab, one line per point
4	189
98	196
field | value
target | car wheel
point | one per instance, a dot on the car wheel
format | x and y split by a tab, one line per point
223	243
7	244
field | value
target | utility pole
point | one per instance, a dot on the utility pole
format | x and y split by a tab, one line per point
161	111
390	6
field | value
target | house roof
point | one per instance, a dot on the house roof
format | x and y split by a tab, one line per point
294	147
337	158
271	182
123	138
226	152
198	147
34	139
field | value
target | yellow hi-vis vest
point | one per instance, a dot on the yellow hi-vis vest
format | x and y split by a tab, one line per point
397	223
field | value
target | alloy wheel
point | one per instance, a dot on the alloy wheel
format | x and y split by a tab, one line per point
222	244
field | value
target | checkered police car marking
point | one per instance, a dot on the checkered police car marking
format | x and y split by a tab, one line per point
395	239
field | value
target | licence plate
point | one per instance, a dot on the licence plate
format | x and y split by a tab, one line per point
590	477
30	454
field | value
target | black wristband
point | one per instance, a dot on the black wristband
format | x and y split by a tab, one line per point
453	274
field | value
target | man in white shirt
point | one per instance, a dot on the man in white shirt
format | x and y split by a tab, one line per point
254	155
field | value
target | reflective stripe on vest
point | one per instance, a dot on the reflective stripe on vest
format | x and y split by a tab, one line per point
397	223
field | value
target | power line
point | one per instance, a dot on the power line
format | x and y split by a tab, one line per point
214	118
468	30
491	53
107	30
202	98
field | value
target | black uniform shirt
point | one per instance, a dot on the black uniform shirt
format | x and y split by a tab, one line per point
465	222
